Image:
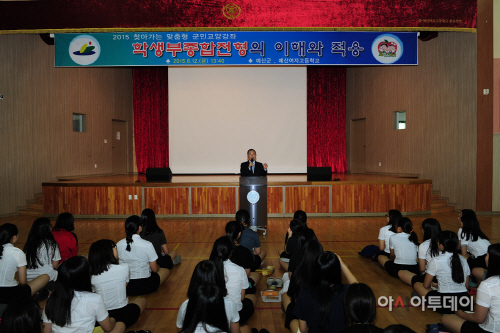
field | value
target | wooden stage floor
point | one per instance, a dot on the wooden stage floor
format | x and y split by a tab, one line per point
193	239
217	195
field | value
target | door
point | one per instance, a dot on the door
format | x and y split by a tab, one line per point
358	146
119	147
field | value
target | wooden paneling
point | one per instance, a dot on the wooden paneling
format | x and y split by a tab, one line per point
213	200
89	200
371	198
313	199
274	200
38	143
439	97
484	172
167	200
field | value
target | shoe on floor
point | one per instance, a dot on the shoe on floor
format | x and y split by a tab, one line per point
177	260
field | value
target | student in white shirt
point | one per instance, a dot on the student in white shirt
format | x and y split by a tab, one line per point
387	231
486	315
452	273
473	242
42	250
146	275
426	251
13	260
404	246
214	318
235	278
73	307
109	279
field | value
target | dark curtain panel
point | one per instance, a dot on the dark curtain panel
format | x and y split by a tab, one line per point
326	107
151	117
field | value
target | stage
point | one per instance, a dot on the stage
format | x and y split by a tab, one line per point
217	195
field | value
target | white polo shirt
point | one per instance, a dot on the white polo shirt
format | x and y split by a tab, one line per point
86	309
477	248
46	266
440	267
404	249
236	281
141	254
12	259
384	234
231	313
488	296
111	285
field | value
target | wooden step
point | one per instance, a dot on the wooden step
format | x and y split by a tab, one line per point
26	212
434	196
439	203
35	206
446	209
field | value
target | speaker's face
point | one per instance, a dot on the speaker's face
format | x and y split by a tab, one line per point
252	154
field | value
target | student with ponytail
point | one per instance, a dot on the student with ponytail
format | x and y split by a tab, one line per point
486	315
13	260
320	308
387	231
208	314
473	242
146	275
452	273
236	280
404	246
426	251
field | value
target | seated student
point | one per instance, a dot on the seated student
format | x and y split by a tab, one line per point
486	316
152	233
404	246
398	328
145	274
452	273
320	308
65	237
299	215
473	242
22	315
426	251
302	276
296	226
192	316
236	280
361	308
13	260
387	231
242	256
250	239
42	253
73	307
109	279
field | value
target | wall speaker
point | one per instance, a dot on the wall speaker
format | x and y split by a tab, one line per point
158	174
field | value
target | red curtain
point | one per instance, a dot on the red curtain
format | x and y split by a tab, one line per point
326	107
151	117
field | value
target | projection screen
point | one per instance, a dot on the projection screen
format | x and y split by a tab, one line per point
217	114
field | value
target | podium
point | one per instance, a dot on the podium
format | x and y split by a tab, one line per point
253	198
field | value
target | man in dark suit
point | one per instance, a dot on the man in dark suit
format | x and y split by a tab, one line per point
252	167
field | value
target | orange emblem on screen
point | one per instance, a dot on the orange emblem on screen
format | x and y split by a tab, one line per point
231	11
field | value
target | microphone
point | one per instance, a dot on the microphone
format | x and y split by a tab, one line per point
251	160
